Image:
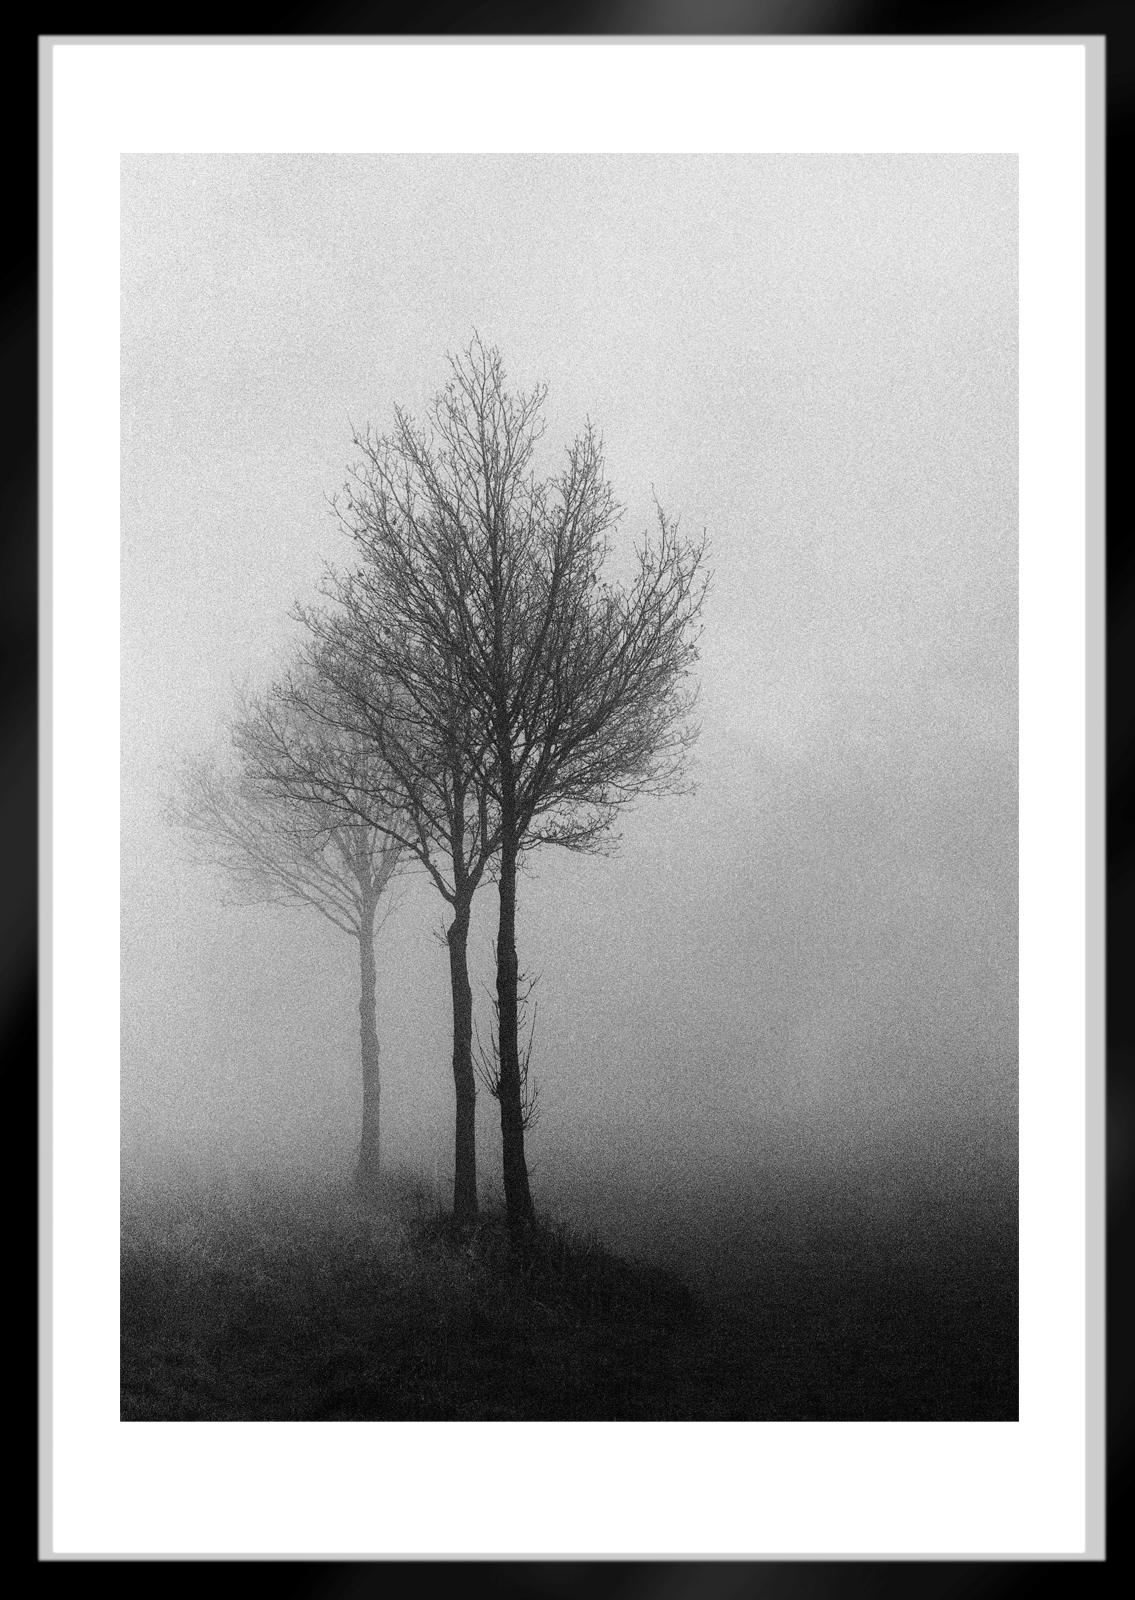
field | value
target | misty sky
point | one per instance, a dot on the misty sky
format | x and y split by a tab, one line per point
813	358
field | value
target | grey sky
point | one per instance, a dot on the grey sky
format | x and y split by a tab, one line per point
813	358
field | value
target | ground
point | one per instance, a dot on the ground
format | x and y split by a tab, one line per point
302	1304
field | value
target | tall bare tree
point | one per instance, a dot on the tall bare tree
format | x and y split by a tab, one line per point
285	849
370	687
479	605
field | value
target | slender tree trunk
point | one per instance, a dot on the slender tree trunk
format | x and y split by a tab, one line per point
464	1082
517	1194
367	1170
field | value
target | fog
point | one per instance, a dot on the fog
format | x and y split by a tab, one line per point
804	972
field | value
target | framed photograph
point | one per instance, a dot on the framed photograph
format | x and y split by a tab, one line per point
573	579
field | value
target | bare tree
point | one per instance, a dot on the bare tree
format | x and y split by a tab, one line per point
374	726
488	1056
285	849
479	601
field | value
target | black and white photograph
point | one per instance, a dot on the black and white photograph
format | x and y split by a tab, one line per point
572	867
569	787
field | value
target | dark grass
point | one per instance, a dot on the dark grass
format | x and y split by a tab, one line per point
293	1304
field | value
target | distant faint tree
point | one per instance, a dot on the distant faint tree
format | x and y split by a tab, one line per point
286	850
479	607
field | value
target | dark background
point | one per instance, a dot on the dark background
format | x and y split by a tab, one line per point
18	712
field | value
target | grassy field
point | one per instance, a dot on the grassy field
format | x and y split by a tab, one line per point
301	1304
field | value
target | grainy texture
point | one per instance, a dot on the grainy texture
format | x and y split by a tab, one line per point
798	984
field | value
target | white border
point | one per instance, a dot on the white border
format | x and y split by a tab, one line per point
587	1489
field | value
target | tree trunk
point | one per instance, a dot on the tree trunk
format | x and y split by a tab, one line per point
517	1195
367	1170
464	1082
